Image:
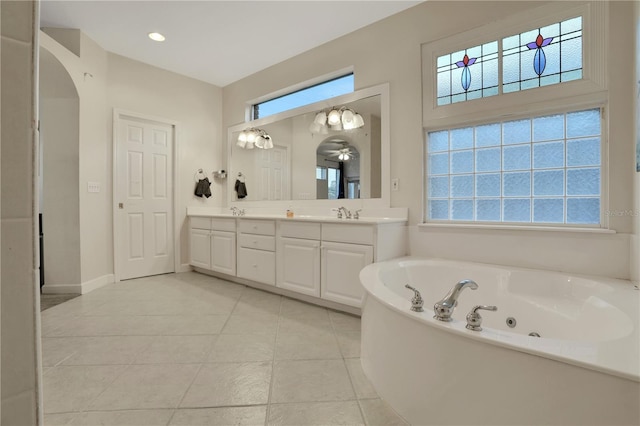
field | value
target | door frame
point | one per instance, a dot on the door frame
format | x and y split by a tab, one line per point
119	113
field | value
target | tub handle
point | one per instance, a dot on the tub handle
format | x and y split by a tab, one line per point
474	320
416	302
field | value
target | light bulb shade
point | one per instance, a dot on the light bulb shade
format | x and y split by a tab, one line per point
334	117
316	128
259	142
250	145
251	136
242	137
268	142
336	127
358	121
348	119
242	143
321	118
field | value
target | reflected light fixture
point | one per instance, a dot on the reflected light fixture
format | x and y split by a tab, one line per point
344	155
156	37
336	119
254	138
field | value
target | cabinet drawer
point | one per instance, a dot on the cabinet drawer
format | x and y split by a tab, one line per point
262	227
259	242
200	222
307	231
257	265
219	224
355	234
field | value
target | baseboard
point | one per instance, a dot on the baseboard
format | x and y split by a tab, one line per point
82	288
185	267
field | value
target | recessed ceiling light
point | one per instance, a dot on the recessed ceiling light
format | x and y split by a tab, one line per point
156	36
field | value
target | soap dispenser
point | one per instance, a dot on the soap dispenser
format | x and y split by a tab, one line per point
289	212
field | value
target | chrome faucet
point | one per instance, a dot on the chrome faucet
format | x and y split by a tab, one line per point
347	213
416	302
444	308
236	211
356	215
474	320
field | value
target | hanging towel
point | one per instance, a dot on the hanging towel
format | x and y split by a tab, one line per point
203	188
241	189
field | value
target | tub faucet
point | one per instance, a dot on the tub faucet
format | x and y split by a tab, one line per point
416	302
444	308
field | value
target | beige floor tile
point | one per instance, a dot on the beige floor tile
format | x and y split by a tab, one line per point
349	343
72	388
311	381
176	349
147	386
254	295
296	309
242	348
308	345
226	384
183	325
251	323
107	326
57	349
61	419
377	412
271	306
124	418
301	325
315	413
342	321
361	385
240	416
106	350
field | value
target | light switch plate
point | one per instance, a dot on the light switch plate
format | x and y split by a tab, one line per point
93	186
395	184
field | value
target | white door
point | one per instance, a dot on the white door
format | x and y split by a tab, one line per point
299	265
273	172
341	266
144	186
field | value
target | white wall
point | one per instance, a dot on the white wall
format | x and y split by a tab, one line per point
19	306
105	81
196	105
59	138
390	51
635	238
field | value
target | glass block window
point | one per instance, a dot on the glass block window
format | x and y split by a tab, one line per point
468	74
542	170
542	56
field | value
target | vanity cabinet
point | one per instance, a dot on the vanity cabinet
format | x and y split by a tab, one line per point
213	244
256	250
299	257
320	261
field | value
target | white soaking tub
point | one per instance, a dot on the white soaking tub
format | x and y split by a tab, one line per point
583	369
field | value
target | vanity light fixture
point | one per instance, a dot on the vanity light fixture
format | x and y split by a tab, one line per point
254	138
336	119
156	36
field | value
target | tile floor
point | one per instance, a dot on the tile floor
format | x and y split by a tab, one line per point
189	349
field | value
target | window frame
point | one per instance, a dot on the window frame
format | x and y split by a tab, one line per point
588	92
251	109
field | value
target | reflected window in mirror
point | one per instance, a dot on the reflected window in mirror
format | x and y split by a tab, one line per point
318	92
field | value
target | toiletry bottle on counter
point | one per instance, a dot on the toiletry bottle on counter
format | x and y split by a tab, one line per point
289	212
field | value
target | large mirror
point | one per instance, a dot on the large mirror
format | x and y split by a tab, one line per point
311	158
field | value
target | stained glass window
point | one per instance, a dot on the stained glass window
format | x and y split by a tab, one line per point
468	74
542	56
543	169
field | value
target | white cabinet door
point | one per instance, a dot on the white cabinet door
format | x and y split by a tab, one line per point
200	248
257	265
341	266
299	265
223	252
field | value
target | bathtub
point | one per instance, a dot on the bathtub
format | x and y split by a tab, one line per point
583	369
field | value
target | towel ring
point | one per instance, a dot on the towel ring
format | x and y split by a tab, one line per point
199	175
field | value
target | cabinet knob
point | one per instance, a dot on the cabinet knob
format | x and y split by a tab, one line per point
255	266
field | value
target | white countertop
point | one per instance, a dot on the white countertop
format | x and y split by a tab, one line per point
373	216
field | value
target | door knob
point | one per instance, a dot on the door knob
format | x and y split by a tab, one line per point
121	205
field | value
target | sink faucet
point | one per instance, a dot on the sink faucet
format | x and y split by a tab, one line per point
236	211
347	213
444	308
